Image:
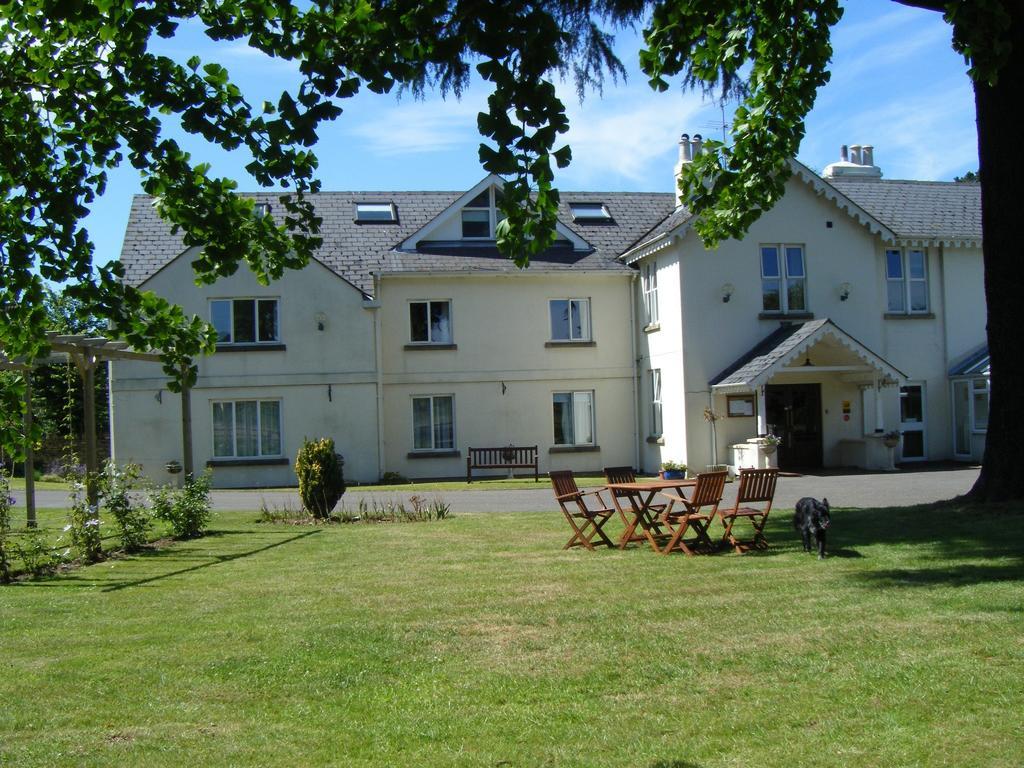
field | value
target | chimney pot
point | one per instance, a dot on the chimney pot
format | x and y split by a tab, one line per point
855	154
844	154
697	144
867	155
685	156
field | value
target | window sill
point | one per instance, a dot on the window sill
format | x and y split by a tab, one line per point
574	449
785	316
253	461
550	344
433	454
276	347
656	440
431	346
652	327
909	315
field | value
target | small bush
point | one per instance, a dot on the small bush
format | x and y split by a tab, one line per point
187	510
132	518
393	478
36	554
321	482
6	502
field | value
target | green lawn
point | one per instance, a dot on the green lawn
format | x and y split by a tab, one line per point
477	641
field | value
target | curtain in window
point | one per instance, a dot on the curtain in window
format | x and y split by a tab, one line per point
246	428
270	428
421	427
444	423
223	429
583	412
580	319
268	320
440	327
563	418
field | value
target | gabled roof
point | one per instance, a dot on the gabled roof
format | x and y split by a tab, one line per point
785	344
357	251
921	212
975	364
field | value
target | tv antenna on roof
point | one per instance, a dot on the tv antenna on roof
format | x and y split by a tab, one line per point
724	125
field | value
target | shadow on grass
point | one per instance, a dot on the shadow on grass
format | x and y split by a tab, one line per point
674	764
953	576
170	555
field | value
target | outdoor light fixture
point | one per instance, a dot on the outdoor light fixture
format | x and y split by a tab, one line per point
727	291
844	291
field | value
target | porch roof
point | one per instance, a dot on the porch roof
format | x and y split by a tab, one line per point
788	342
975	364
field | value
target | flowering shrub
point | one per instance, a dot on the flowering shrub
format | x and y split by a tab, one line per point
84	523
186	510
132	518
36	554
321	482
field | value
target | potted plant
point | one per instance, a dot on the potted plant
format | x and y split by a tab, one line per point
769	444
891	438
672	470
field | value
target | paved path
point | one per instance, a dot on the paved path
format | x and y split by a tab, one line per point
842	490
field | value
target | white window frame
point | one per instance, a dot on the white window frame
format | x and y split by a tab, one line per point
375	212
973	391
259	428
430	339
589	212
586	332
256	319
434	448
493	216
575	402
657	413
649	285
783	278
905	281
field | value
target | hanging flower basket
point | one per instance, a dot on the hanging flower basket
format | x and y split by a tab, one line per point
173	467
891	439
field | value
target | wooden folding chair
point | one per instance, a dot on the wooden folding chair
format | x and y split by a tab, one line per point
591	521
757	486
696	514
627	475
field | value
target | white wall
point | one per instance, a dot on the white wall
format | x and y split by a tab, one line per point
325	380
500	327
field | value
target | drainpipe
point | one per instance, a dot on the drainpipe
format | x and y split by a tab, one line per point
378	355
636	369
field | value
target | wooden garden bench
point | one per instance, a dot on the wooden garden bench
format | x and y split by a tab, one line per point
506	457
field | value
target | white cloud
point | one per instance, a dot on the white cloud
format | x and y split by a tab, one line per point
416	127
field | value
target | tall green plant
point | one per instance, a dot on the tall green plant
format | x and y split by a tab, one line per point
6	502
132	517
187	510
321	482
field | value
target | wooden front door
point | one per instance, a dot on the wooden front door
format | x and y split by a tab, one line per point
794	414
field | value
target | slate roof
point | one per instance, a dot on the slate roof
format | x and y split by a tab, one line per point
356	251
767	352
785	341
919	210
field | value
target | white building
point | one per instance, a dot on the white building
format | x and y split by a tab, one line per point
852	308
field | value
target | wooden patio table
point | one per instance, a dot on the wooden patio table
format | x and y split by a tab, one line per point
639	514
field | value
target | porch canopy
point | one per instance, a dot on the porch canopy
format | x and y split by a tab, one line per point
817	346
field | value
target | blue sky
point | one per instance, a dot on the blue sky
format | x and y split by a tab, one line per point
896	84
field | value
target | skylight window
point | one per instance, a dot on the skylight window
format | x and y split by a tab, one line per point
592	212
376	213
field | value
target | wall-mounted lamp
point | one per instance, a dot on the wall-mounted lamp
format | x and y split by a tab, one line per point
321	321
727	291
844	291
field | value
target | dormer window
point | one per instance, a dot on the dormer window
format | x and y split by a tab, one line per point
480	216
590	213
376	213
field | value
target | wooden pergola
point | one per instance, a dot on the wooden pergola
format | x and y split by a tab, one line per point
86	352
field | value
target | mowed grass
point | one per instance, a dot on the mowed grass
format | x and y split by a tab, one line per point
477	641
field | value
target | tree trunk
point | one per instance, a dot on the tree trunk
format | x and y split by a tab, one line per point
1001	154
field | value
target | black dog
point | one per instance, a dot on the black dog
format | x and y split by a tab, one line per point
812	519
